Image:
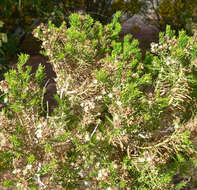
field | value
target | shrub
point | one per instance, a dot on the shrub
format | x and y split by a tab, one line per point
121	122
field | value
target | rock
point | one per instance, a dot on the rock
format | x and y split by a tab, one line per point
140	30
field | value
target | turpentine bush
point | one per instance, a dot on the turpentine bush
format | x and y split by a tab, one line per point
121	122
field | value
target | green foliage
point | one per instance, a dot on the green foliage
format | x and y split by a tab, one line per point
121	122
3	39
180	14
